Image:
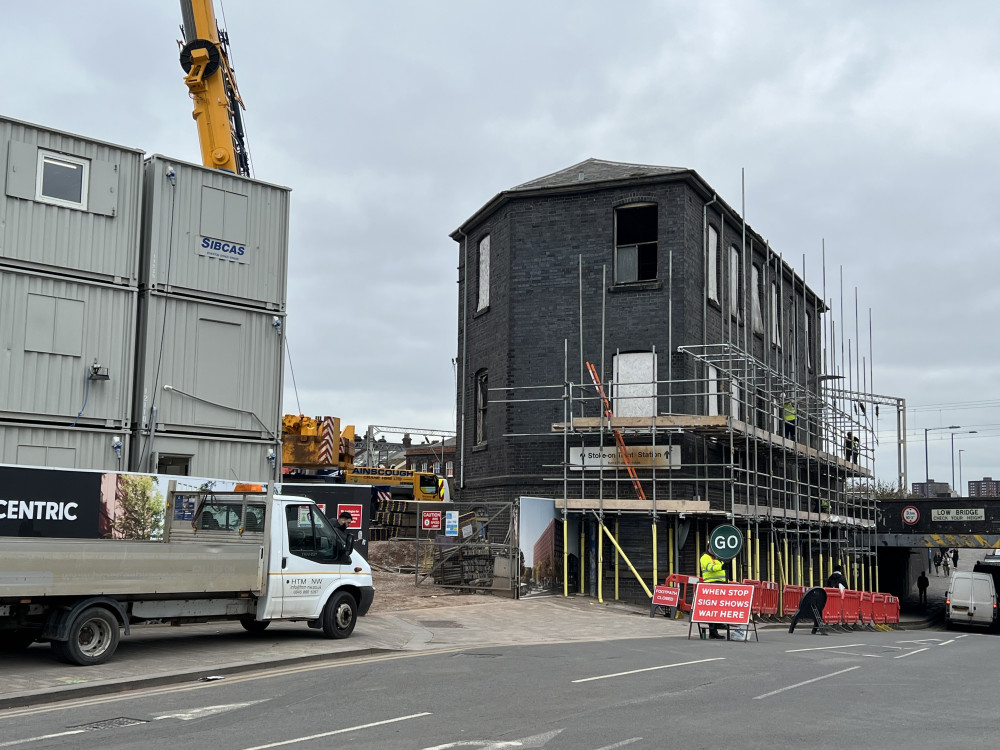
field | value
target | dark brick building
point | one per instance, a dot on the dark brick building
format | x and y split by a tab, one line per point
704	331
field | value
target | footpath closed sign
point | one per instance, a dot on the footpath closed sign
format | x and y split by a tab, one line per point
666	596
724	603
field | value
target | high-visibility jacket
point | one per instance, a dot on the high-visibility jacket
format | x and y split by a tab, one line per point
789	411
712	570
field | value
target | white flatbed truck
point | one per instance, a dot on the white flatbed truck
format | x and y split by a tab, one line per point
249	557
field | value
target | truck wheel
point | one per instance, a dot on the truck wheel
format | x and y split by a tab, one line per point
17	640
93	638
340	615
254	626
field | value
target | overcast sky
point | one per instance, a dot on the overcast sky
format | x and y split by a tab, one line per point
870	126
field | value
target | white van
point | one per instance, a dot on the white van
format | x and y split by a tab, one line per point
971	600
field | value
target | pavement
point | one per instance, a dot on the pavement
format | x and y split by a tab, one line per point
163	655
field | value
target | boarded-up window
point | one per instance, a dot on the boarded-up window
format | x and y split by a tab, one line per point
484	274
713	264
634	384
217	372
713	391
775	317
482	400
635	243
735	303
757	313
224	215
54	325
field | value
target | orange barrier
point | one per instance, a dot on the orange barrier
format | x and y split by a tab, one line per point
833	612
866	615
891	609
686	584
769	599
852	607
791	597
878	608
755	607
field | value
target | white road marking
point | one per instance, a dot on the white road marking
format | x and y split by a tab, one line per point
648	669
197	713
800	684
538	740
921	640
823	648
911	653
947	642
43	737
623	743
339	731
855	653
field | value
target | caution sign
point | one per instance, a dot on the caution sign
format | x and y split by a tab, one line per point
430	520
354	510
723	603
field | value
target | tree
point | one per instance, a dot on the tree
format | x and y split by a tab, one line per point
890	491
140	507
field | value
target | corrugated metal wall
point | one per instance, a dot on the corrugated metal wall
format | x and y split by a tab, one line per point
98	242
52	329
61	447
222	362
245	460
214	235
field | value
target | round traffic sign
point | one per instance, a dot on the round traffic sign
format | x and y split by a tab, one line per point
911	515
726	541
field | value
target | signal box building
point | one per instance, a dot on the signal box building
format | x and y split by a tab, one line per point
621	303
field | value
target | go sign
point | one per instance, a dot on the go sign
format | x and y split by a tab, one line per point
726	542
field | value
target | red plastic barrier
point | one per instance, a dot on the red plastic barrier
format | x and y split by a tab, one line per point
852	607
791	597
878	608
833	612
769	598
686	584
891	609
757	595
866	614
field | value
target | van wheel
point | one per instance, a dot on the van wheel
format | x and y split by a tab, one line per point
93	638
254	626
340	615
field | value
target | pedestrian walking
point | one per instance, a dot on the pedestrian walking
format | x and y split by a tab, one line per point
946	564
937	563
954	558
922	583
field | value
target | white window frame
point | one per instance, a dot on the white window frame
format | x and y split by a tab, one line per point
713	264
484	274
809	344
713	391
76	161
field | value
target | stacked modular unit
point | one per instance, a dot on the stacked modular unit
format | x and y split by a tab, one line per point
212	280
69	251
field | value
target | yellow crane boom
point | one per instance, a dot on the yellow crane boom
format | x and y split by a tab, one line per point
212	85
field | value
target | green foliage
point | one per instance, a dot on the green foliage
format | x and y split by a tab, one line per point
890	491
140	508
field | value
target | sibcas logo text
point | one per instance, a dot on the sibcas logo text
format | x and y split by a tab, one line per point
223	247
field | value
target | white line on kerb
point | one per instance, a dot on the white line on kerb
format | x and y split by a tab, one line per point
43	737
911	653
800	684
646	669
822	648
339	731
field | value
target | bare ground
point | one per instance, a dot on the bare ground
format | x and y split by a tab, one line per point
397	591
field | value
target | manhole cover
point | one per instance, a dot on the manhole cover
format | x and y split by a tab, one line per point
109	724
440	624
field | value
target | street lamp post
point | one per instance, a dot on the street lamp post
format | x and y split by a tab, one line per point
970	432
960	452
927	471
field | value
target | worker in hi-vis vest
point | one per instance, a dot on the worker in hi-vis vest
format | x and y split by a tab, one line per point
712	571
790	416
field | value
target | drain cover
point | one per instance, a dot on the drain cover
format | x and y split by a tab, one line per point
109	724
